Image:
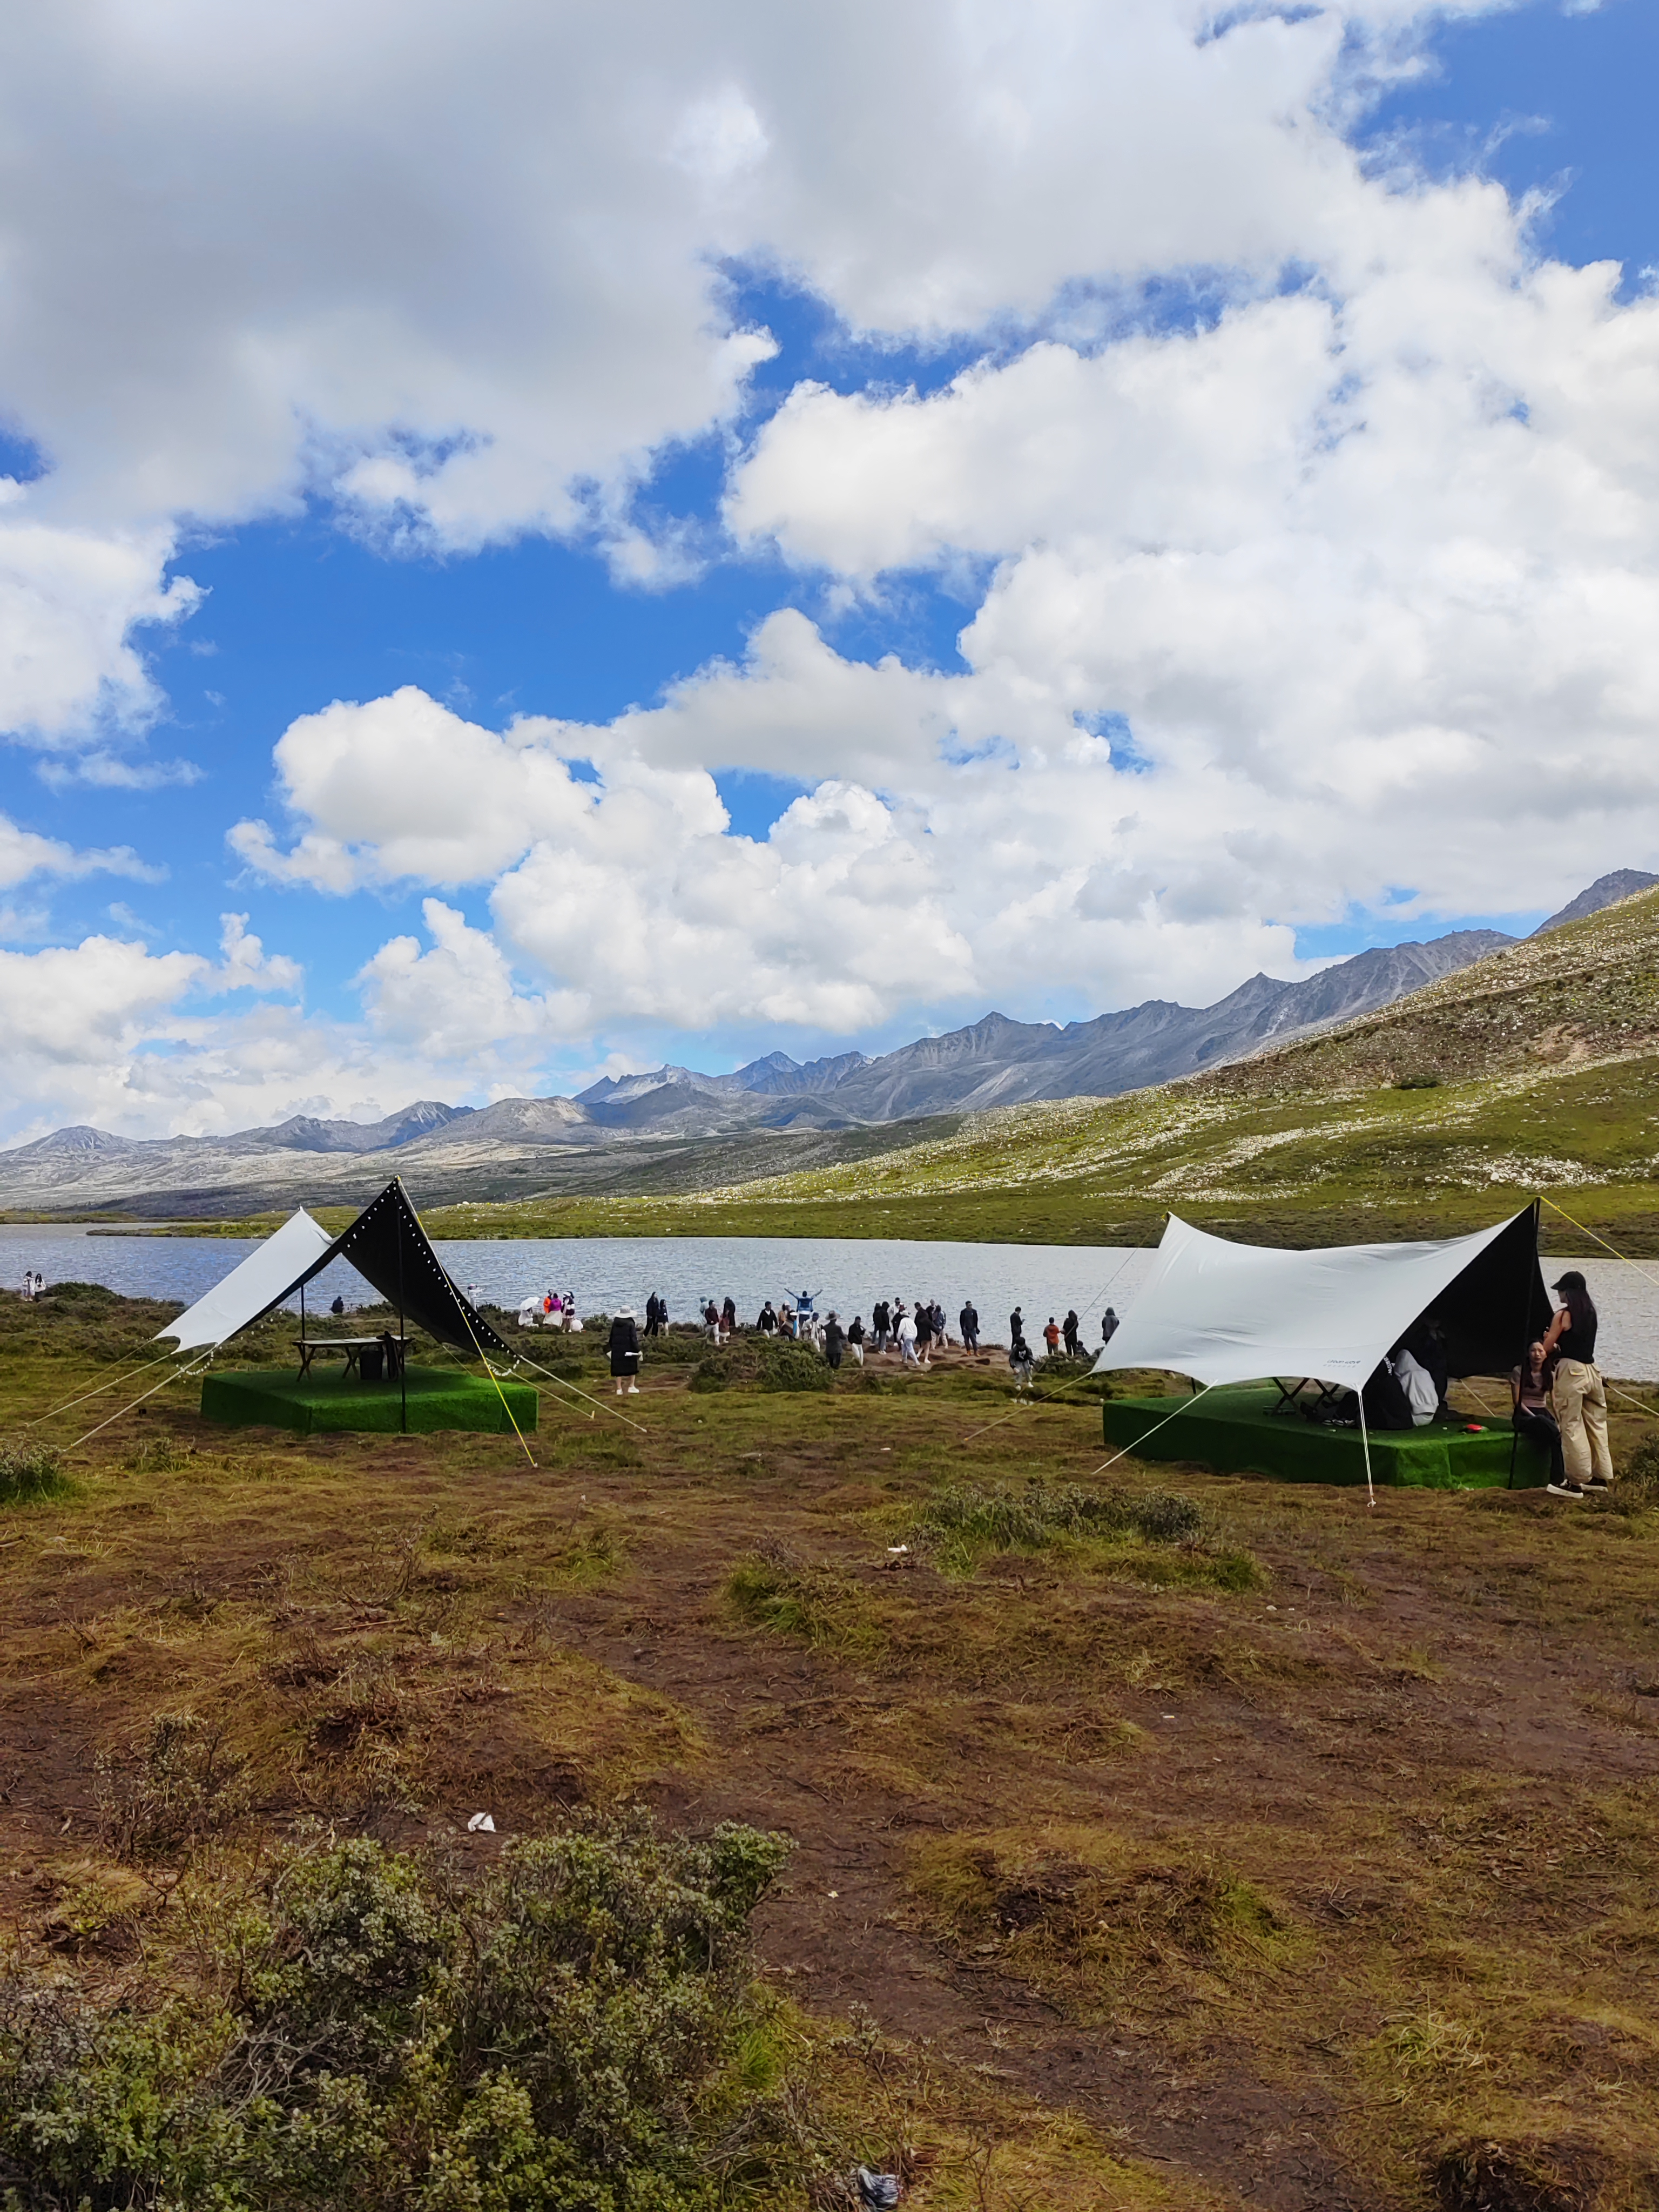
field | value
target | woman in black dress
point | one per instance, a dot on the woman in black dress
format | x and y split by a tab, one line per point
624	1350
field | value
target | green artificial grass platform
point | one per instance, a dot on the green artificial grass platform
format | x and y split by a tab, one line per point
1235	1431
269	1398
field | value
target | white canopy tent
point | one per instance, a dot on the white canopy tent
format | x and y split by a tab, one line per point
1234	1312
263	1280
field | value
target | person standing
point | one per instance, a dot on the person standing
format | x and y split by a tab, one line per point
1016	1327
881	1320
1529	1387
834	1340
28	1283
968	1322
1051	1336
1068	1329
1109	1326
923	1327
856	1338
624	1350
768	1323
1019	1358
906	1334
651	1315
1577	1391
728	1318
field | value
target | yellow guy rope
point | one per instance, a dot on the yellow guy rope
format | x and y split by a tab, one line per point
523	1359
1601	1241
461	1303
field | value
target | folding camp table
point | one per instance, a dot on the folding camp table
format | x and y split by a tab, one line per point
352	1347
1290	1394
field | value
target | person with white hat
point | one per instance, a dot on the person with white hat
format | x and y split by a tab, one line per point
624	1349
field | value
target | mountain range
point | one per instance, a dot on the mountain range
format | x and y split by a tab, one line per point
676	1128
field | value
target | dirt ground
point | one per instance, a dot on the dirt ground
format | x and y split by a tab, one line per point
1287	1886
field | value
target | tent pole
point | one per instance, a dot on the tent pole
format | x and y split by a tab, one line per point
402	1376
1366	1439
1526	1331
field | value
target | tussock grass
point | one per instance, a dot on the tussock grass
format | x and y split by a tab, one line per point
1100	1921
774	1589
1156	1535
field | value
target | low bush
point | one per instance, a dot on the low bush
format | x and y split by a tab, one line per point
1638	1478
30	1473
785	1365
566	2034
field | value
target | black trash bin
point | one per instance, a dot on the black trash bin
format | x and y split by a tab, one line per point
371	1362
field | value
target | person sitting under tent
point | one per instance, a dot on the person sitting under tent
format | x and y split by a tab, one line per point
1422	1394
624	1350
1529	1387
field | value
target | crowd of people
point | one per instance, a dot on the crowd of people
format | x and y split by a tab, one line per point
915	1331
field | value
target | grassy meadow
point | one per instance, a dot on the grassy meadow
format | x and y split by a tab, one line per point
1050	1834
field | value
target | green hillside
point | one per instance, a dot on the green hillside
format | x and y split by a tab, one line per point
1534	1071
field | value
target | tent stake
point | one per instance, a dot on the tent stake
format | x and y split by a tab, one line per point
1366	1439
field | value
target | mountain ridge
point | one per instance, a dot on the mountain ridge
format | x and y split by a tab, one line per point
652	1126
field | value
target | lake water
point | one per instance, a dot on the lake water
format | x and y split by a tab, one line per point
847	1273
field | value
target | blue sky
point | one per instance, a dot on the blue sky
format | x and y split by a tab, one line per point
1221	842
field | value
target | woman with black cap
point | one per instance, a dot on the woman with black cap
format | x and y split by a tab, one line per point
1581	1403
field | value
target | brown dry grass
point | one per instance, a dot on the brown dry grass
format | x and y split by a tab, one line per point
1290	1896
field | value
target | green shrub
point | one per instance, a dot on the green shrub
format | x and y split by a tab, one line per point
785	1365
1638	1478
31	1472
562	2034
963	1523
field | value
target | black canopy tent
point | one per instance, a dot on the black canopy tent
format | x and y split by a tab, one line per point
390	1250
1497	1306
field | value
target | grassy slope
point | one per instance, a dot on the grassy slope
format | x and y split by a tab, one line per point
1541	1060
1159	1892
